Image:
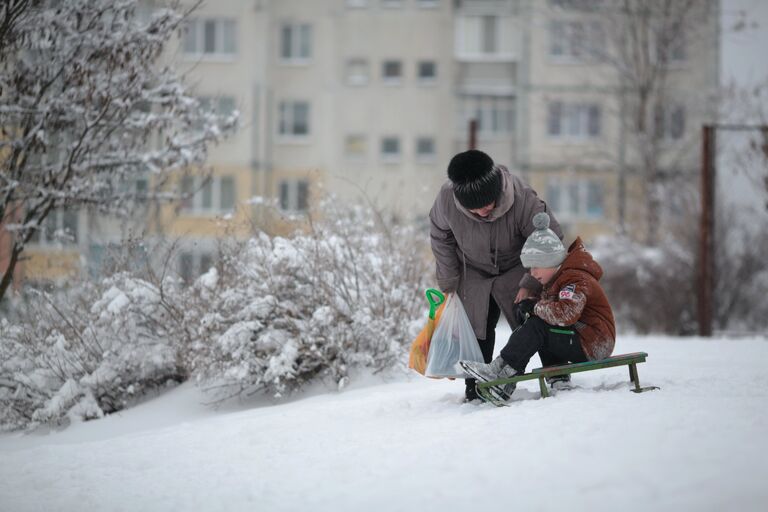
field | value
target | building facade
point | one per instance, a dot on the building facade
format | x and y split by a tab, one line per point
369	99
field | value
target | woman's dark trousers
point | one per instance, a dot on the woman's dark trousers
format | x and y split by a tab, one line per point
486	345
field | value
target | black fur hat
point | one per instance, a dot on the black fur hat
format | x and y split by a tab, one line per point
476	181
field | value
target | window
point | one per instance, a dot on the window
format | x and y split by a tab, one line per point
427	4
486	37
573	120
352	4
576	40
53	153
355	146
391	4
488	34
294	195
576	198
390	149
593	206
187	192
227	193
60	226
495	115
186	267
296	43
357	71
677	51
673	49
193	264
294	119
206	203
216	195
577	5
141	189
392	71
670	124
226	106
425	149
206	262
222	106
210	36
427	71
103	258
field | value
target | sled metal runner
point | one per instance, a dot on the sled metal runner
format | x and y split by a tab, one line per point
630	360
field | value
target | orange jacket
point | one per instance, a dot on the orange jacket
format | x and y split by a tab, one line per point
575	298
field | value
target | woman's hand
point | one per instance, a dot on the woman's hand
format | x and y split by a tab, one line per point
522	294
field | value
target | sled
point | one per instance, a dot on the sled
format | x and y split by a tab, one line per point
630	360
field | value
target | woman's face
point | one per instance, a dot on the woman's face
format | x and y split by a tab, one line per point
485	210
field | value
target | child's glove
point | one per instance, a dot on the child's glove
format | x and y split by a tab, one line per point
524	310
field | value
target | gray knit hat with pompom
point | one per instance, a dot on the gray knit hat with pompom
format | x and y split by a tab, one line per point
543	249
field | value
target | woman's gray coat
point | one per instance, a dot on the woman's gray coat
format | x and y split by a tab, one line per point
480	257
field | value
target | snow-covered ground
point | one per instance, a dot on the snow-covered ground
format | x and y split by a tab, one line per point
408	443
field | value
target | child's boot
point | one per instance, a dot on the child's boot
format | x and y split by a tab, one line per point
560	382
496	369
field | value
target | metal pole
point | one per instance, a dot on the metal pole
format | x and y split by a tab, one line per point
764	131
706	253
473	134
706	274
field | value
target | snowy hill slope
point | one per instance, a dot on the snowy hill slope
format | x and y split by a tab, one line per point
410	444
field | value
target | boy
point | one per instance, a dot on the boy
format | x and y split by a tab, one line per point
571	322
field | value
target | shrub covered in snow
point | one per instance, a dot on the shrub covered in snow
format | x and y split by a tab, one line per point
86	353
651	289
655	289
279	312
272	315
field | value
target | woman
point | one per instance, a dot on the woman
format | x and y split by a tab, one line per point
479	223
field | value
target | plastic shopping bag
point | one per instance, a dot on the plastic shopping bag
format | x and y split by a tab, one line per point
420	346
453	341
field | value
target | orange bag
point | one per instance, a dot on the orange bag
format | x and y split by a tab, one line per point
420	346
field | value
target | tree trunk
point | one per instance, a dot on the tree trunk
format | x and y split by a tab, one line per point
652	216
8	275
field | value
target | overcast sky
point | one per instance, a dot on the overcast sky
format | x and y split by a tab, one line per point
744	60
745	51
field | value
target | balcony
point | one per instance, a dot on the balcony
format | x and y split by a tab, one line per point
487	38
487	78
487	7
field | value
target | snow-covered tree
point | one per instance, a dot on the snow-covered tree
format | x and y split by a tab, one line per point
641	44
747	154
88	107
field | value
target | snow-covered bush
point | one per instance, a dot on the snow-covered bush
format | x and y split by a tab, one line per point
85	353
651	289
272	315
278	312
655	289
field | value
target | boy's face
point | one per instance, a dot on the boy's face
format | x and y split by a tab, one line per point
543	274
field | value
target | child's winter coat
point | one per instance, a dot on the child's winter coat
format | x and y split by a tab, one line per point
575	298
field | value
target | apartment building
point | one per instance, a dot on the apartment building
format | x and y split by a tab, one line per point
369	99
579	146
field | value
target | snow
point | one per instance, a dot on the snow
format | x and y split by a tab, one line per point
404	442
210	279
